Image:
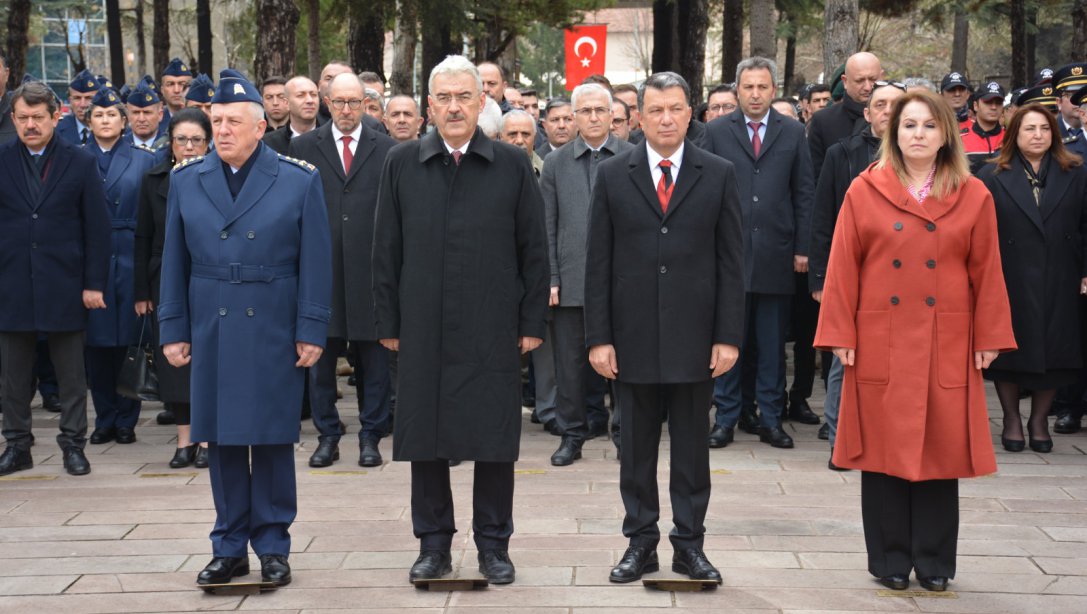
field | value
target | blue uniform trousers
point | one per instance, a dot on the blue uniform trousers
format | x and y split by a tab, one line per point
111	410
766	318
255	498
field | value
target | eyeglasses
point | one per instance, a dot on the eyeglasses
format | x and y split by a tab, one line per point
463	98
196	141
619	121
593	111
722	108
353	104
879	84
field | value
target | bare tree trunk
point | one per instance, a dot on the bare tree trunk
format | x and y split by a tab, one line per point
437	38
665	38
789	73
732	39
694	20
1017	18
960	41
366	35
313	41
1079	31
160	35
405	39
1032	39
141	41
277	21
116	43
203	36
839	34
763	41
18	40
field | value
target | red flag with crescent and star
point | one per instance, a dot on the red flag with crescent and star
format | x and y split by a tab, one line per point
585	47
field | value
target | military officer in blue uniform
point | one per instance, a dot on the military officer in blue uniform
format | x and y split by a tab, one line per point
175	80
144	117
200	93
245	294
80	93
111	330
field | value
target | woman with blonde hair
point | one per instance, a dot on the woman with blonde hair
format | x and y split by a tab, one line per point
914	306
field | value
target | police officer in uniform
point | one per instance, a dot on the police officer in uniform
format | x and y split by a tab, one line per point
1068	80
983	135
956	91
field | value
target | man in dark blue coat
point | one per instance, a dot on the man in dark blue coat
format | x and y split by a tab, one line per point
55	262
81	92
245	293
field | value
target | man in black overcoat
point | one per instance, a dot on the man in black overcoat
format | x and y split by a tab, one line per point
349	156
664	308
461	288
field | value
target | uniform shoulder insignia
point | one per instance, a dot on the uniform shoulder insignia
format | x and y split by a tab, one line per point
301	163
187	162
145	148
1070	139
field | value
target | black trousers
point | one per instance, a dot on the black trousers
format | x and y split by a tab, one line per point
17	355
432	505
372	382
571	371
805	318
910	525
642	407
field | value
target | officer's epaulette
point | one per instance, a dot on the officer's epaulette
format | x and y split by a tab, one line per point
145	148
302	163
1071	139
186	162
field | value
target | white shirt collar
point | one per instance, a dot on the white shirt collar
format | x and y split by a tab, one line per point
655	158
463	149
138	141
355	134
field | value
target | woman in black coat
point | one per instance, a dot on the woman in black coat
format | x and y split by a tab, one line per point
1040	192
190	134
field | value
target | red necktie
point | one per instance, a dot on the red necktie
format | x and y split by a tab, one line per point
756	142
456	156
347	155
665	185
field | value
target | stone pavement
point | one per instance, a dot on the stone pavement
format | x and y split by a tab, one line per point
784	530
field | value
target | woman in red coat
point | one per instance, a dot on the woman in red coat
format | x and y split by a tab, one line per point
914	307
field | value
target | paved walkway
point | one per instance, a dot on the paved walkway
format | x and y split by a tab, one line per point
784	530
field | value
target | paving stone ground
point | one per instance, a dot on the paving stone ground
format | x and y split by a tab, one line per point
785	532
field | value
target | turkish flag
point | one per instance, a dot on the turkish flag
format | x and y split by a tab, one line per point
585	46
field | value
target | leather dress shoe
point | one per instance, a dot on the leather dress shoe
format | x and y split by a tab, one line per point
165	417
431	565
183	457
1012	445
936	584
326	453
125	435
692	562
274	568
897	582
824	432
75	462
528	400
721	436
495	565
102	436
15	459
775	437
369	455
1067	424
800	411
223	569
568	452
1042	446
637	560
201	460
51	402
749	422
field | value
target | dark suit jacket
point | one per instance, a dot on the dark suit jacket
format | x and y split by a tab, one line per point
832	124
55	247
68	130
775	195
351	201
7	125
662	288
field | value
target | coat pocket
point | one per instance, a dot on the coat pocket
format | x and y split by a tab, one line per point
952	349
873	360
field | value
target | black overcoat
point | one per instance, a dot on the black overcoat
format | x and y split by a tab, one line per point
351	202
460	272
662	288
1042	249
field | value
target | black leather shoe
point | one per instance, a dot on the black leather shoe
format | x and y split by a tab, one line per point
636	561
936	584
51	402
897	582
552	426
721	436
369	455
568	452
183	457
692	562
1067	424
775	437
1042	446
274	568
824	432
800	411
528	401
431	565
495	565
14	459
326	453
1012	445
749	422
201	460
597	429
75	462
223	569
165	417
102	436
125	435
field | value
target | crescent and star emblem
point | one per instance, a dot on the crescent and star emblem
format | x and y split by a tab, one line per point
577	45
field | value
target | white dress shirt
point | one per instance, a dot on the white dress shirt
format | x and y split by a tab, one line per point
655	160
353	145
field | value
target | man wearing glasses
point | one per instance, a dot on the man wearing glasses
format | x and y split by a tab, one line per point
722	101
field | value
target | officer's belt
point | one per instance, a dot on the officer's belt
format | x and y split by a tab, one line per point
128	224
237	273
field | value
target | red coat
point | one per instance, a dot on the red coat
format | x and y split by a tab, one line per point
915	290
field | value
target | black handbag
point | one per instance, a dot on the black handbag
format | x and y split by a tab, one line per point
138	379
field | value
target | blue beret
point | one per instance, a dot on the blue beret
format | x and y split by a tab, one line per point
233	87
105	98
201	89
125	90
143	96
176	68
85	82
1071	76
151	85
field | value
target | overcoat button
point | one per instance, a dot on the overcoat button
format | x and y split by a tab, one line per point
897	263
664	230
931	264
249	312
250	235
755	198
34	216
223	235
930	301
930	227
222	311
898	225
345	217
894	300
664	270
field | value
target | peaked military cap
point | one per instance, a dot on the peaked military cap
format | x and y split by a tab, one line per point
1044	95
1071	76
